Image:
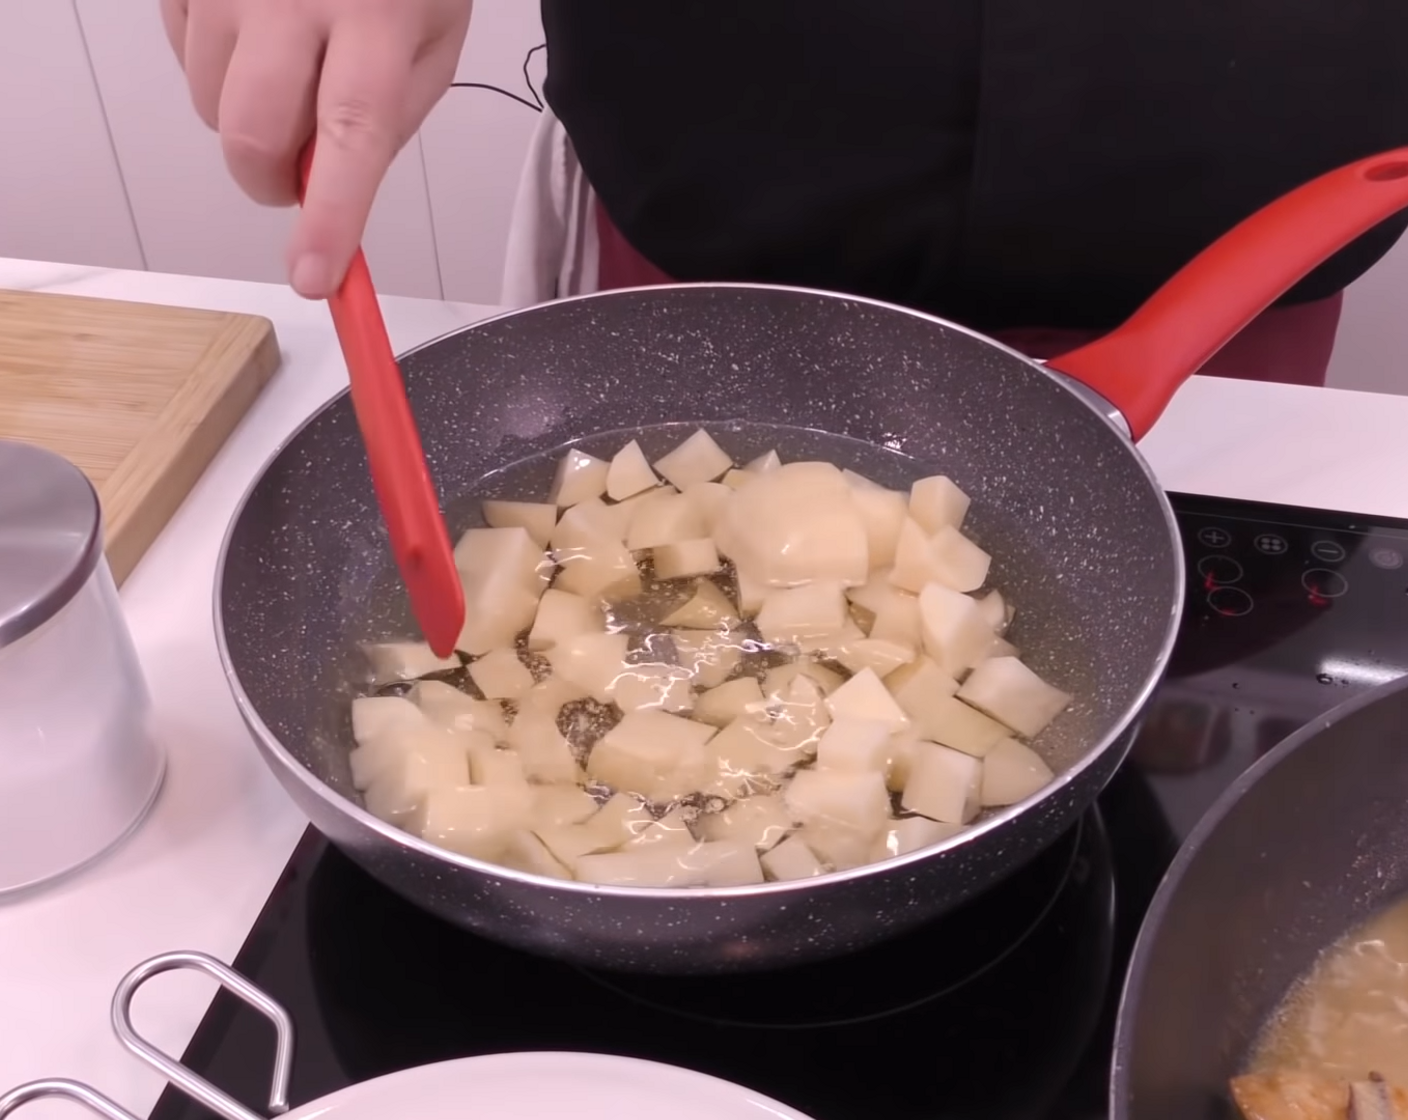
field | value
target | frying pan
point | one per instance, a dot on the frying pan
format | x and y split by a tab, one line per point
1083	540
1308	843
539	1085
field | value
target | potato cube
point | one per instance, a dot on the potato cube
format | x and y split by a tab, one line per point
697	459
504	574
936	501
879	655
778	680
562	616
653	754
562	804
541	748
474	821
948	720
832	645
865	697
386	755
1001	647
800	717
583	525
1012	772
901	753
944	784
447	706
913	566
852	799
671	830
751	590
491	766
898	621
579	477
538	518
735	478
909	834
855	744
665	518
839	846
710	656
568	843
374	717
883	512
604	569
767	461
728	701
875	592
685	558
791	859
762	820
708	609
1010	692
639	687
745	758
952	628
717	864
404	661
709	500
500	675
593	662
629	473
795	525
620	820
995	610
956	561
523	851
911	684
549	696
793	613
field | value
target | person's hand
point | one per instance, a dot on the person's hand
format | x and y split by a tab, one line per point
363	74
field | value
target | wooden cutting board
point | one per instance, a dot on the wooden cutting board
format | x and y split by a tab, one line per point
139	396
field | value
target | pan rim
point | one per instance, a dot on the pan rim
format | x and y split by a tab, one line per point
270	744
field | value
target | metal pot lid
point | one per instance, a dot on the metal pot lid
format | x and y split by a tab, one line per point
50	536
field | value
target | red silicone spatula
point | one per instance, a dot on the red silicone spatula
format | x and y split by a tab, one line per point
419	539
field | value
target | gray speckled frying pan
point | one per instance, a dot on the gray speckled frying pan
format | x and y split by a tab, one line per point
1084	543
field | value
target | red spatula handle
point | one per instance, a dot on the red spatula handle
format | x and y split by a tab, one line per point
420	541
1140	366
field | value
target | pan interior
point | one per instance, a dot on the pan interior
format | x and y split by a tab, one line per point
1081	542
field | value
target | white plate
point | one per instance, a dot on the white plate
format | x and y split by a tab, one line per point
545	1086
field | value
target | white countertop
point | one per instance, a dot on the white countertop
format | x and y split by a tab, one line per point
200	868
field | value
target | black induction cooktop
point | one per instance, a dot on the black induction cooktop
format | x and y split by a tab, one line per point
1004	1009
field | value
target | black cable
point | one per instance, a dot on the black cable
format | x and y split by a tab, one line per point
536	104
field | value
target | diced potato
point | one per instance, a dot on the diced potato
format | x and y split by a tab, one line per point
736	478
542	750
697	459
710	656
1012	772
475	821
792	859
762	821
592	662
839	846
569	843
549	696
745	758
666	518
374	717
1010	692
728	701
447	706
604	569
853	799
708	609
795	525
504	573
800	717
562	616
952	628
898	621
491	766
1001	647
883	513
831	646
855	744
909	834
876	591
791	614
621	819
777	680
562	804
913	565
523	851
911	684
879	655
865	697
944	784
629	473
500	675
671	830
538	518
404	661
767	461
653	754
858	481
901	753
956	561
751	590
400	782
948	720
652	685
579	477
718	864
586	523
709	500
936	501
995	610
685	558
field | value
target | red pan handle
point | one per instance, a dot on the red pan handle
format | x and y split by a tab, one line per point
420	541
1140	366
